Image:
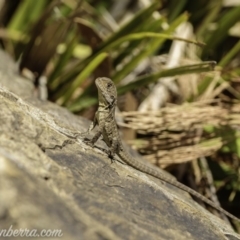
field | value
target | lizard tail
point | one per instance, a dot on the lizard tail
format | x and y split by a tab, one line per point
157	174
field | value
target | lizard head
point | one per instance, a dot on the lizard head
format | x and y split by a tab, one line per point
106	89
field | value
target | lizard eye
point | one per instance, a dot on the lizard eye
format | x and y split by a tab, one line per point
109	85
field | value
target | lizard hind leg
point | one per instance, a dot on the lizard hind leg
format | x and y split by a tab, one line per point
113	149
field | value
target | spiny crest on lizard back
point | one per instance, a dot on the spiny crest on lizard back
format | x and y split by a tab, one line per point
106	85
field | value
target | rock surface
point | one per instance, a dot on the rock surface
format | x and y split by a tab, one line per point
49	179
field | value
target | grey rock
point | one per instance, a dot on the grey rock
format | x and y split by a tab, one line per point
49	179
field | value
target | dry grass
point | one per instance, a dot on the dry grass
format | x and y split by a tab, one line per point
177	134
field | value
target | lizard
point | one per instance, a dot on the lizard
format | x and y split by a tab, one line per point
107	128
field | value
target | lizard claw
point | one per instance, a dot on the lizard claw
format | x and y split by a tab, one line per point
111	156
88	142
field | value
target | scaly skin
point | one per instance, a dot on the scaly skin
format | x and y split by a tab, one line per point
107	127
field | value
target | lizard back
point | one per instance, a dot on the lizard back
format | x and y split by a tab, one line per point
105	115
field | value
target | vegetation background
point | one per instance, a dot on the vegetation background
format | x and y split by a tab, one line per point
176	65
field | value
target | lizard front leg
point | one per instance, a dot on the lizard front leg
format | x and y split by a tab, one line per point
95	137
91	127
92	141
